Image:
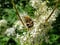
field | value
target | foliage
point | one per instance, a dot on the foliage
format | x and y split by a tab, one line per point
8	17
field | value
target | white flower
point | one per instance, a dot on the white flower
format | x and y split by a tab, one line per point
18	25
53	17
22	37
3	22
34	33
23	14
17	35
35	3
24	33
25	38
39	30
10	32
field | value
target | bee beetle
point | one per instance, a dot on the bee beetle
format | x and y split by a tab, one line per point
28	21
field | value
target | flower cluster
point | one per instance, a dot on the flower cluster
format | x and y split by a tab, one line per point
39	29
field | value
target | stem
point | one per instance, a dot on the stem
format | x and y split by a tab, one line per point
17	13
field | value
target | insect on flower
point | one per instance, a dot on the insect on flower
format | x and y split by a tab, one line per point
28	21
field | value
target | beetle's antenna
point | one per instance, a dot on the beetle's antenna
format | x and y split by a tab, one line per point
52	12
17	12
